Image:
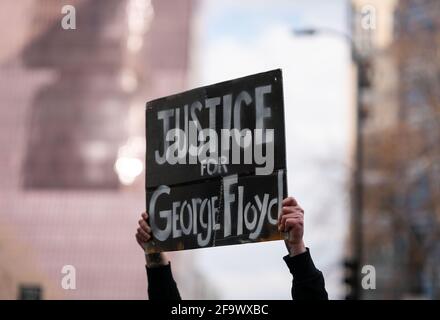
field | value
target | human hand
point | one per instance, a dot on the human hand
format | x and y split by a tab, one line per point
291	220
143	235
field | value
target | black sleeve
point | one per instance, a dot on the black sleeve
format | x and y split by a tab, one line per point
308	282
161	284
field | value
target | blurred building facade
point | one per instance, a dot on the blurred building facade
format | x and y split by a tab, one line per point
73	146
401	140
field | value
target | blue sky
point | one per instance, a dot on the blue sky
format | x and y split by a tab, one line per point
238	38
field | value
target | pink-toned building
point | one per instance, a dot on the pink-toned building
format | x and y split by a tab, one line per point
72	141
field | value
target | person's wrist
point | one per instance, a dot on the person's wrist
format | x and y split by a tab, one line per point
155	260
296	248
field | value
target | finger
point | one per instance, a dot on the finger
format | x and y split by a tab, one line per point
288	215
296	214
286	227
143	239
289	201
137	239
296	218
292	208
145	215
290	224
144	235
144	225
289	209
140	239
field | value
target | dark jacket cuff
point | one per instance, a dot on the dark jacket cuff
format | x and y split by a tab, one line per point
159	274
161	285
301	266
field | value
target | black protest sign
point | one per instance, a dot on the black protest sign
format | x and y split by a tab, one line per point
216	164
